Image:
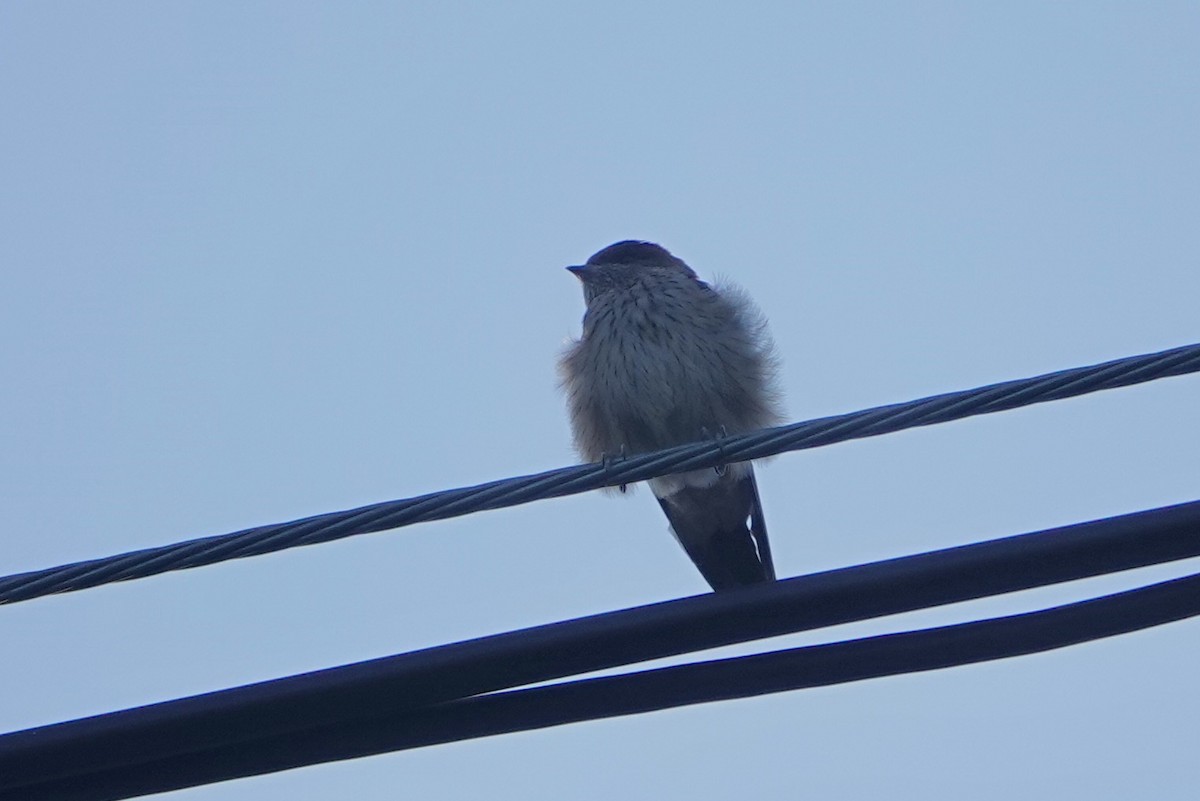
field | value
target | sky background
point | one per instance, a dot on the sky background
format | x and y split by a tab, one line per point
264	260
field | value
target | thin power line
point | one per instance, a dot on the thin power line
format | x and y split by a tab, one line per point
567	481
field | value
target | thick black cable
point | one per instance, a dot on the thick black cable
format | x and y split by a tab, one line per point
644	691
228	721
581	478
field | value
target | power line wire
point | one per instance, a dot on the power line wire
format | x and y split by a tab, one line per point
413	699
567	481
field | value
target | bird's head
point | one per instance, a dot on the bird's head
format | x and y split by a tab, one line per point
621	265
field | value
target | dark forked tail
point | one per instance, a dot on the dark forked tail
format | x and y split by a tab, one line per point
722	528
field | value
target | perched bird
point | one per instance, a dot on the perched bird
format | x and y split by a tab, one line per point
665	359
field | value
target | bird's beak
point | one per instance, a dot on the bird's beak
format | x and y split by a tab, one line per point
580	271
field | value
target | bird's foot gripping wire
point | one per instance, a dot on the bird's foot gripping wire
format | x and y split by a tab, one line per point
719	439
608	463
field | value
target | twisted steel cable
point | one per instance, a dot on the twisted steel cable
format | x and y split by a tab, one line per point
581	478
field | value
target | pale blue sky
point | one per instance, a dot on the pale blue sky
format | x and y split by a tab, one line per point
264	260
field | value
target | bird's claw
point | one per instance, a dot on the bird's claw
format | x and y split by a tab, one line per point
608	460
719	439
